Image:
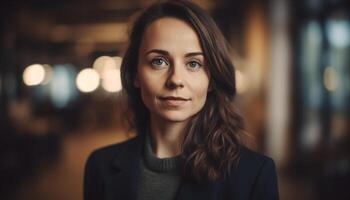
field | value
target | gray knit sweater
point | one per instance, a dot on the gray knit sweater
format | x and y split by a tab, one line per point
159	178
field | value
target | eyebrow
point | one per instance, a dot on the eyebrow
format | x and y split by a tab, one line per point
166	53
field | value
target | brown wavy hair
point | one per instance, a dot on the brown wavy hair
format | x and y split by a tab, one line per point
211	145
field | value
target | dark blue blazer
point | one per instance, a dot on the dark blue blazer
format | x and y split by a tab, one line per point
111	173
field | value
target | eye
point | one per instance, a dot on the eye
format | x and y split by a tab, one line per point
193	65
158	62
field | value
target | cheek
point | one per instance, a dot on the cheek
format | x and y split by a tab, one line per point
147	98
201	93
203	98
148	89
201	87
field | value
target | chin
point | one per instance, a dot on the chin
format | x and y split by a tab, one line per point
175	116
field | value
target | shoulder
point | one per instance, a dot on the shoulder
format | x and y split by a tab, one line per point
101	164
254	175
252	161
107	153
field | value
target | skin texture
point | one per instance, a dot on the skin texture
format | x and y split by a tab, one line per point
171	64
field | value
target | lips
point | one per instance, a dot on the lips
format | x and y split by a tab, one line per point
173	101
173	98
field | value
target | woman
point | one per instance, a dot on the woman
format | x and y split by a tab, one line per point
180	85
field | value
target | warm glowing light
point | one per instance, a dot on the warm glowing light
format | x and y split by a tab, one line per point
118	61
241	82
34	75
329	79
111	81
104	63
87	80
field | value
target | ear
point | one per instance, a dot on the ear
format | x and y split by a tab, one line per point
136	82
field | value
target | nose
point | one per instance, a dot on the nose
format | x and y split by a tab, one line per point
175	78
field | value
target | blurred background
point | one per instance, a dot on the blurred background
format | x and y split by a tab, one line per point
60	83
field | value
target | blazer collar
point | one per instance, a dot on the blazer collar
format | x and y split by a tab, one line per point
123	184
128	153
123	181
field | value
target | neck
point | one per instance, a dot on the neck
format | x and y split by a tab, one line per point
166	137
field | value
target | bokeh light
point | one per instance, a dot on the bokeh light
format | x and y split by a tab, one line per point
62	88
111	81
87	80
329	79
338	32
104	63
34	74
118	61
48	74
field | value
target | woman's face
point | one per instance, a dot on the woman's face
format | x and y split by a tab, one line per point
172	73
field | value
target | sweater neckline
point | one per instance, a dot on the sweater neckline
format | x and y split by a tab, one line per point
160	164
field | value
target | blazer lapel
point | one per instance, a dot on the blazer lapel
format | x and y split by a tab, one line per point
122	183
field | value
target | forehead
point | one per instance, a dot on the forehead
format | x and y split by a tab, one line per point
170	34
